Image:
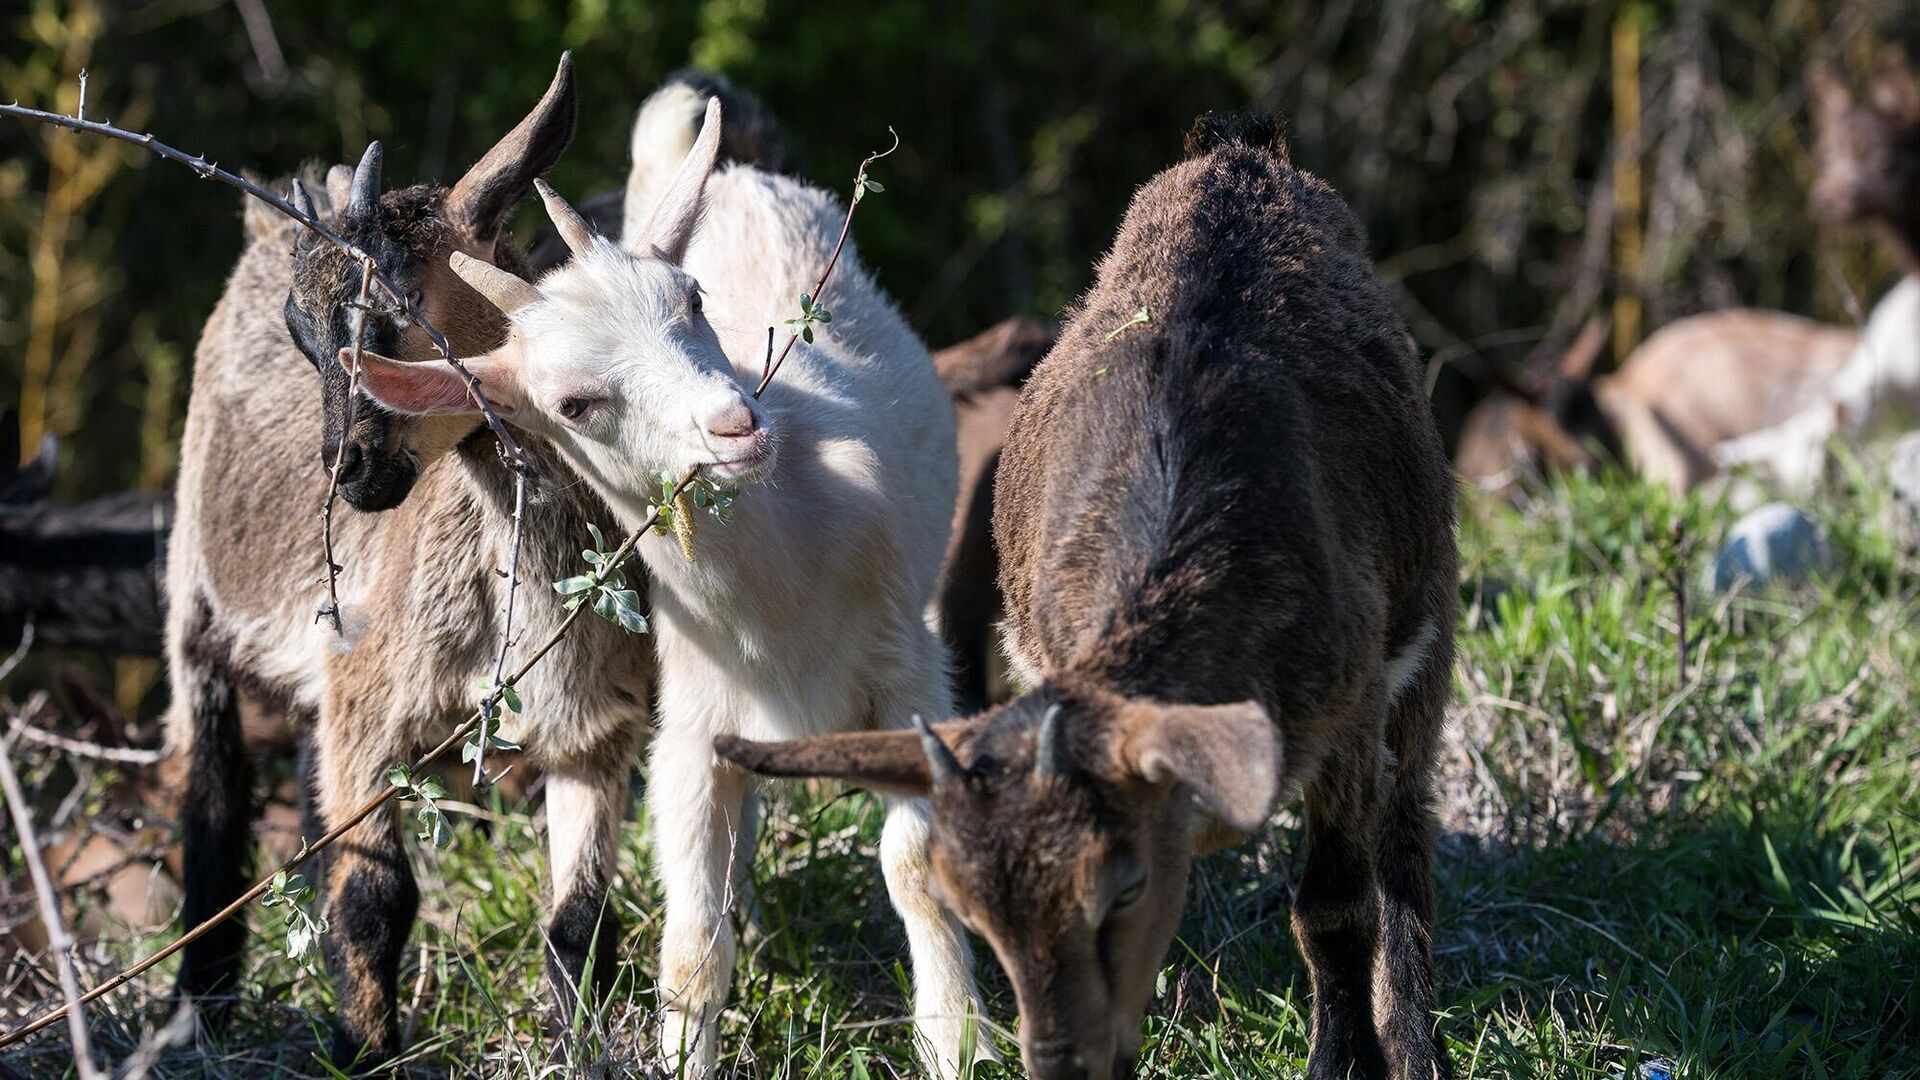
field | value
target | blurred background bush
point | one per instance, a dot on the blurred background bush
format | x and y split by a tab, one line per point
1520	164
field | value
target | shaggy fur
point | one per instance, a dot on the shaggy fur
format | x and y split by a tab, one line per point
421	590
1227	552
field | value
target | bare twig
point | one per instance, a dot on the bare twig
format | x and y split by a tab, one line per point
24	730
772	365
58	939
331	609
19	652
506	628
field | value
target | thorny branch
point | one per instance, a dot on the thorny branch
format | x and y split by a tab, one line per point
210	171
490	702
331	609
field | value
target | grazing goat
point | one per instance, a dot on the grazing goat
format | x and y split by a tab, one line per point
983	375
1691	385
1869	156
421	590
1225	521
806	613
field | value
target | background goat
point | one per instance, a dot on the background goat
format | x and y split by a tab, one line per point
1226	534
1869	155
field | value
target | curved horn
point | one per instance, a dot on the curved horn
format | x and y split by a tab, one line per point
572	227
1049	752
365	193
940	759
503	288
303	202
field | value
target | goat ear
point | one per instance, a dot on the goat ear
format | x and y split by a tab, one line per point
1578	362
339	186
479	203
433	387
1227	755
670	229
887	762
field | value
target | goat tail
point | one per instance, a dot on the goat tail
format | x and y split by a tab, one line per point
670	119
1255	131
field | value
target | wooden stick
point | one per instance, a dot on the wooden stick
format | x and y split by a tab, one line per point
58	939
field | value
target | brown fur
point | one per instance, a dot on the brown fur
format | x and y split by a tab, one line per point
421	588
984	374
1693	384
1237	510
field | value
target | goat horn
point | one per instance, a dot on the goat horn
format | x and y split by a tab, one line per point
364	195
503	288
1049	752
940	759
303	202
573	228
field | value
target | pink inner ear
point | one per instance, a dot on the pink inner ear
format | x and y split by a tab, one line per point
422	388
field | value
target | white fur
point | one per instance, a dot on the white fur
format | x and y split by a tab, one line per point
807	612
1407	664
1878	389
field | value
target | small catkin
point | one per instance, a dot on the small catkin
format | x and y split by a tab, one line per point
683	522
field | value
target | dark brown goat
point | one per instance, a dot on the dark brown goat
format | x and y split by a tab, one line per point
983	374
1225	521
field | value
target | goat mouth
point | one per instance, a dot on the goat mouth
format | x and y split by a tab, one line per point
385	482
750	466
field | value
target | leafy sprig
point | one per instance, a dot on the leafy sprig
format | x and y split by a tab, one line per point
605	588
427	790
292	893
811	313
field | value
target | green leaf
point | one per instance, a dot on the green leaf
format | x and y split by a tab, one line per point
822	315
511	696
577	584
874	186
599	541
430	787
626	605
400	776
806	334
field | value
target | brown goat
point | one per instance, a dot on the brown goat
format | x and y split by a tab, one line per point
983	374
1692	385
1226	537
421	590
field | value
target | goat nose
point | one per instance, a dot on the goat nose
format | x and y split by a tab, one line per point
735	421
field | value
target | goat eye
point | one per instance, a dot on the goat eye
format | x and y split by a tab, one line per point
1130	895
414	296
694	301
573	407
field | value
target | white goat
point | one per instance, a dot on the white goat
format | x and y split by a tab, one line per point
1878	389
805	613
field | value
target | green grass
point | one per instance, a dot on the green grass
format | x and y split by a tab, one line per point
1722	872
